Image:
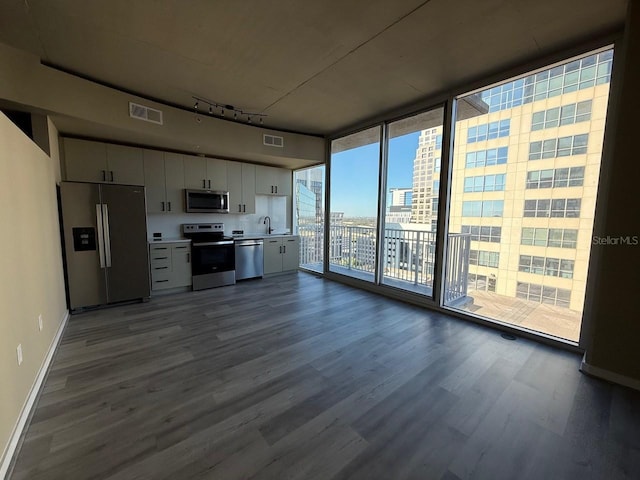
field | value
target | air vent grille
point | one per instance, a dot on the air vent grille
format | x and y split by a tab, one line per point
273	141
147	114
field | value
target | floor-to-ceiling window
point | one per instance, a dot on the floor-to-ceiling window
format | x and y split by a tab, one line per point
521	192
525	169
353	215
411	207
308	210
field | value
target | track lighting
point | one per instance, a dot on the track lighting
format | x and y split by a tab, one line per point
238	113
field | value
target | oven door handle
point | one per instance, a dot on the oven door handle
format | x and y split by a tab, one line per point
210	244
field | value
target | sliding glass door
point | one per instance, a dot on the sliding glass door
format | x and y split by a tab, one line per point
353	216
412	196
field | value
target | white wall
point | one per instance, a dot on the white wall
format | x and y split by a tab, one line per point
31	275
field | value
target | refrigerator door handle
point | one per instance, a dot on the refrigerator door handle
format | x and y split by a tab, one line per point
107	235
100	234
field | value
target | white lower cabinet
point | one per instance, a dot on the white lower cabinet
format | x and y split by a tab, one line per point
170	265
281	254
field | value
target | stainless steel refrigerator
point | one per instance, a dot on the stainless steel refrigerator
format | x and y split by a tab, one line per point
105	237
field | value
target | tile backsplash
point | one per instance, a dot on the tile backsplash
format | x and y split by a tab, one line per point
278	208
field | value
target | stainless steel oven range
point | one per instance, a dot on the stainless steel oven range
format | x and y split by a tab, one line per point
212	255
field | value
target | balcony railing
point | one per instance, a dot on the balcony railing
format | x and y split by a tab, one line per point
408	256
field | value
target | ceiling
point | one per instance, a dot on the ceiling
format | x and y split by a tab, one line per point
312	66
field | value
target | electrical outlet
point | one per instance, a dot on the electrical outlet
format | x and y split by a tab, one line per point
40	322
19	350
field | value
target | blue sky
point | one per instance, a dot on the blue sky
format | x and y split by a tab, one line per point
354	175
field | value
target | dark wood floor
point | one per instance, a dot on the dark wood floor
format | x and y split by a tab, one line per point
296	377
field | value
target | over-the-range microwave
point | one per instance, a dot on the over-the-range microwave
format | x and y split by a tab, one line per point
206	201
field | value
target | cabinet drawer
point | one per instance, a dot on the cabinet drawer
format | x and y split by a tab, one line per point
161	261
160	284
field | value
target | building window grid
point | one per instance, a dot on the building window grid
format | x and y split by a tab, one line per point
486	158
558	116
489	131
577	75
483	208
554	208
551	267
483	258
559	147
555	178
549	237
543	294
484	183
483	233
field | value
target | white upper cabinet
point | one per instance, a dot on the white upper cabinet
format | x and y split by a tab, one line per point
164	181
125	165
217	174
97	162
85	161
241	180
273	181
174	173
195	172
205	173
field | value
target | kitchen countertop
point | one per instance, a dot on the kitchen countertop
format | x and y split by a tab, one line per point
248	236
169	240
261	236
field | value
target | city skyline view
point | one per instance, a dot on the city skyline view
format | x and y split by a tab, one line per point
353	196
525	165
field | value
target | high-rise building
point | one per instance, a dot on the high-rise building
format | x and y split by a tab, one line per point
426	177
524	182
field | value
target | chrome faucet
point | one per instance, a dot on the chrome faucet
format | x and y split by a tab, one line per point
267	221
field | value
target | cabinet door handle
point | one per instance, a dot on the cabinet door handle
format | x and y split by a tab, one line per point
204	183
160	268
162	206
209	184
188	258
280	249
111	175
169	204
276	188
159	248
161	258
161	281
239	208
244	208
284	249
104	175
184	246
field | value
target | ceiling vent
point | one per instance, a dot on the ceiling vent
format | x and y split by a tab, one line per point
272	141
146	114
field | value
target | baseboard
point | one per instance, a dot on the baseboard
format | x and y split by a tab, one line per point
31	399
608	375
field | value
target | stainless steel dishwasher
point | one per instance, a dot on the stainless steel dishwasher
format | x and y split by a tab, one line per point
249	259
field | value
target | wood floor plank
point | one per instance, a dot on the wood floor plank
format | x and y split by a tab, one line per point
297	377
